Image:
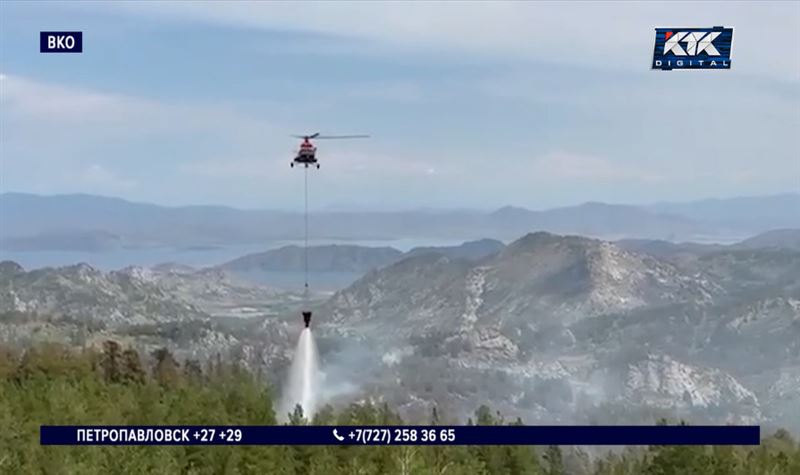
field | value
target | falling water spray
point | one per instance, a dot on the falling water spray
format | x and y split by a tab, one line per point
302	386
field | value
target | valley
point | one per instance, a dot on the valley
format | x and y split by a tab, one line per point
550	328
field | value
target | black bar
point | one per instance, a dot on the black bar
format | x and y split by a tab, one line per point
400	435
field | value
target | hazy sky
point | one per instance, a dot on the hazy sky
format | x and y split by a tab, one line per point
468	104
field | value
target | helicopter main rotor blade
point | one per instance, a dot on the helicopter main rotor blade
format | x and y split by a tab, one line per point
326	137
312	136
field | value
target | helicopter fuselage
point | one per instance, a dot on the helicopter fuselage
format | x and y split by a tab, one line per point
306	155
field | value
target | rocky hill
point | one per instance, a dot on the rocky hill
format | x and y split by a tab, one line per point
351	258
572	326
778	238
331	258
80	292
537	281
196	314
471	250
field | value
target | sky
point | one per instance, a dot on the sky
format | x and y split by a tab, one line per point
469	105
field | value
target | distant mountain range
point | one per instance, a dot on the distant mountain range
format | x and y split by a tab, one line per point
80	222
749	214
362	259
776	239
64	240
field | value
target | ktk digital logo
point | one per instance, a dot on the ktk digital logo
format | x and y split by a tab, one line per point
693	48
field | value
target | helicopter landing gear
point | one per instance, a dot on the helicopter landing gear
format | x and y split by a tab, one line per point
291	164
317	165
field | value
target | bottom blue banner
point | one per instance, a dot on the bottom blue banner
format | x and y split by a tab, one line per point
400	435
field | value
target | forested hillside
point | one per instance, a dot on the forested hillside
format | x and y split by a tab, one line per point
54	385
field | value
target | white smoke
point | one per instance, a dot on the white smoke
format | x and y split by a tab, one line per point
302	386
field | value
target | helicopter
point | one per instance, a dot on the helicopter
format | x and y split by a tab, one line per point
307	153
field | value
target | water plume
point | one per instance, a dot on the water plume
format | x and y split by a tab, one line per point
302	385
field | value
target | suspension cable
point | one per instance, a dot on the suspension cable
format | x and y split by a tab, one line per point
305	244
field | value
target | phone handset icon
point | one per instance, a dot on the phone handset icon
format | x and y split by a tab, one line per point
338	437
